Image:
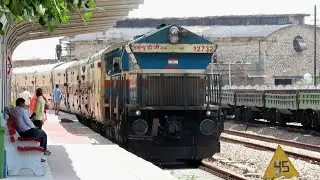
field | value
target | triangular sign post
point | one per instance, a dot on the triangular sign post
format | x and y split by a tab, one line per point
280	166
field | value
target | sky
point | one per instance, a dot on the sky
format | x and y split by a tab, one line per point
45	48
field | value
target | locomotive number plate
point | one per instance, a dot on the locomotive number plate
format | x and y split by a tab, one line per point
170	48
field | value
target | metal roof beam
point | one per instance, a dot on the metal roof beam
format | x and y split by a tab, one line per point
26	28
106	17
114	16
56	34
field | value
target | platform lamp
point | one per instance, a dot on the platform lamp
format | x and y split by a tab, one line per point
58	51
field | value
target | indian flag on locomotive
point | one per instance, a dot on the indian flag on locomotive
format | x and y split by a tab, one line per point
157	104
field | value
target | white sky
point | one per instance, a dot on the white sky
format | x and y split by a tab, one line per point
45	48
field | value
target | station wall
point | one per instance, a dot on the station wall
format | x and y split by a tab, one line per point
271	57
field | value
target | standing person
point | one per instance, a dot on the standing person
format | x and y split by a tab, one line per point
33	106
46	107
56	99
39	109
26	96
26	128
33	102
116	69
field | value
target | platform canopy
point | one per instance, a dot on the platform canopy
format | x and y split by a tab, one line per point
104	17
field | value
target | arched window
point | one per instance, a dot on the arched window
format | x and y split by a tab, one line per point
298	44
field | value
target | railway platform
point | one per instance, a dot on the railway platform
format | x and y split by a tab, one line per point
79	153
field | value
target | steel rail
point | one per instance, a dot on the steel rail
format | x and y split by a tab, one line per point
314	160
274	140
220	172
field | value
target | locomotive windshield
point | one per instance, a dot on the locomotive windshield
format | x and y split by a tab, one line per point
112	64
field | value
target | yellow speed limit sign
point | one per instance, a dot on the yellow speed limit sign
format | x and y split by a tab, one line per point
280	166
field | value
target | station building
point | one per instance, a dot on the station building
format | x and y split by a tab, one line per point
257	49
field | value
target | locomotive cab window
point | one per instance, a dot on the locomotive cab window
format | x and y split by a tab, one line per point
112	65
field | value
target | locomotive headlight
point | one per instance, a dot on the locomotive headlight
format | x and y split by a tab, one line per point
174	35
208	127
140	127
138	113
173	39
208	113
174	30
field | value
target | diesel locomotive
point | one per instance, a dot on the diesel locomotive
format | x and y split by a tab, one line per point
150	95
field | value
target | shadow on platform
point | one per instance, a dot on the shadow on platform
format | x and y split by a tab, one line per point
73	131
60	164
77	129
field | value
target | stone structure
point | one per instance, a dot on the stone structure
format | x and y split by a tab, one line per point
83	49
32	62
273	19
264	43
271	56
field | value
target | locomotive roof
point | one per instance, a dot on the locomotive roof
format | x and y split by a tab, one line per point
113	47
161	36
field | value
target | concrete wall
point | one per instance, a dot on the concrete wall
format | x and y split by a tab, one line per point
273	19
32	62
85	49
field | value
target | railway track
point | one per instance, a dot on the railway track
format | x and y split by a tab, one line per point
288	127
225	174
274	140
311	159
204	171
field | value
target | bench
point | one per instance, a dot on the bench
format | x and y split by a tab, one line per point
22	153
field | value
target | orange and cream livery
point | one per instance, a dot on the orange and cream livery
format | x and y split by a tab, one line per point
150	95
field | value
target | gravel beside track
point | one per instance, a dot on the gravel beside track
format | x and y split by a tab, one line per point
192	174
252	163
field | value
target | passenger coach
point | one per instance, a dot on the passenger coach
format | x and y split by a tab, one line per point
160	105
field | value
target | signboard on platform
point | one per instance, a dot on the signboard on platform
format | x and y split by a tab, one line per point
280	166
9	65
173	48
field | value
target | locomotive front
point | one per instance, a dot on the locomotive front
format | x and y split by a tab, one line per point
169	106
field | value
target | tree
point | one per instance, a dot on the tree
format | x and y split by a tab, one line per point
45	12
